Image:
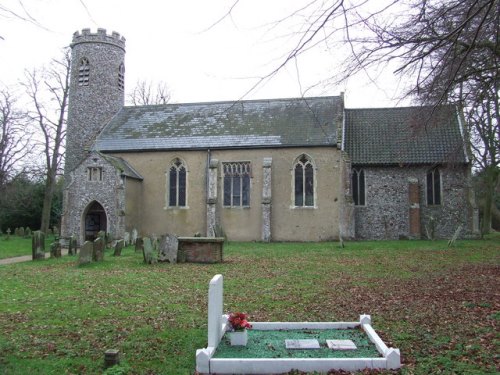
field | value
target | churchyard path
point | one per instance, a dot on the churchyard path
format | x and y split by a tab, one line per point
26	258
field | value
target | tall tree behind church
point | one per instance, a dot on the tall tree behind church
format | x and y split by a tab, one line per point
48	89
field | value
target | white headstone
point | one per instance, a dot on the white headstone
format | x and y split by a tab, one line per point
134	235
215	305
302	344
126	238
341	344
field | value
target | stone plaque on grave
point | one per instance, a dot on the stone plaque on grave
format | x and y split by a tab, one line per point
86	253
302	344
168	248
98	253
341	344
118	248
148	252
38	245
55	249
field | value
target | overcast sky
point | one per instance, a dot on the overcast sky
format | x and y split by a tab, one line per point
173	41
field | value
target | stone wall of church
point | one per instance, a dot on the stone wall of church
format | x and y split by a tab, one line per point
81	193
386	212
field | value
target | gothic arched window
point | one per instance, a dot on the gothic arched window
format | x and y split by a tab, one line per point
121	77
84	72
177	184
304	182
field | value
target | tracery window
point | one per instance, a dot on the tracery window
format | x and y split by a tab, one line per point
121	77
237	183
304	182
83	72
358	187
433	187
177	184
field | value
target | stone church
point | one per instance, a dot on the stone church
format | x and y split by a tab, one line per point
297	169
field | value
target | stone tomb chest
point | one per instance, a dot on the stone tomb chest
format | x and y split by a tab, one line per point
200	249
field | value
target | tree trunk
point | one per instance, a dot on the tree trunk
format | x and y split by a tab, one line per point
47	201
491	179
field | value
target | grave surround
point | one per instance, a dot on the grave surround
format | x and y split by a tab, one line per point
218	325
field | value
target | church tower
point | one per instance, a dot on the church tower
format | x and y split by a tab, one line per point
96	90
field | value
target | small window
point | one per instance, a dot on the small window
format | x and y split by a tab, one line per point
358	187
177	184
94	173
304	182
84	72
121	77
433	187
237	184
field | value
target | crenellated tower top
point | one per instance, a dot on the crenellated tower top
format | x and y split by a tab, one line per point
86	36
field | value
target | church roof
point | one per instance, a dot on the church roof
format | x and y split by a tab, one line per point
123	166
240	124
409	135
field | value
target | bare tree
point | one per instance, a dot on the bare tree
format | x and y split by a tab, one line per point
15	143
146	93
48	90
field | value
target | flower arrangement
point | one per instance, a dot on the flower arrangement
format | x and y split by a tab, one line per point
239	321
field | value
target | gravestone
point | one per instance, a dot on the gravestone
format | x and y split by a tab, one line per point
27	232
134	236
98	253
16	231
148	252
169	245
126	238
86	253
154	242
72	246
102	234
8	233
118	248
55	249
139	244
38	245
21	232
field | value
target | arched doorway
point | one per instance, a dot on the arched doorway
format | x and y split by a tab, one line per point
95	221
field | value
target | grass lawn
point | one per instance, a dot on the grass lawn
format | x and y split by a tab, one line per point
440	306
17	246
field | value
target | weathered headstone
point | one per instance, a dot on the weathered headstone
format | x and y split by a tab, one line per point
86	253
27	232
148	252
168	248
16	231
139	244
102	234
8	234
118	248
98	253
38	245
21	232
134	236
72	246
55	249
126	238
154	243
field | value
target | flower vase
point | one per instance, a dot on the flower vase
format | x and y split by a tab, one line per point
239	338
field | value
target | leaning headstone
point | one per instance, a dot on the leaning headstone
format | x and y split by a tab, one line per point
118	248
168	248
148	252
126	238
72	246
38	245
21	232
98	254
86	253
55	249
134	235
139	244
451	242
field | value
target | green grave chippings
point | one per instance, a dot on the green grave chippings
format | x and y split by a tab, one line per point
271	344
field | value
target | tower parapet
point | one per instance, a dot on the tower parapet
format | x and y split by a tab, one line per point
86	36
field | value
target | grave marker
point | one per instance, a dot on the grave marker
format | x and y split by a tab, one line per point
86	253
341	344
168	248
302	344
148	252
118	248
126	238
55	249
98	253
38	245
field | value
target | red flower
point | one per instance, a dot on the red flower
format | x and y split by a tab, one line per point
239	321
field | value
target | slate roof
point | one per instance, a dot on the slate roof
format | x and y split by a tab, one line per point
409	135
241	124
